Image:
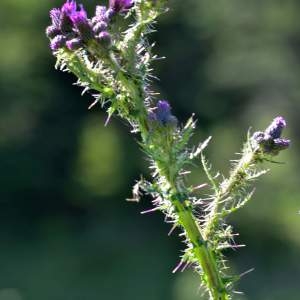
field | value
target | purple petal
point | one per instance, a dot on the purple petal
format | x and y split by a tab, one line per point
58	42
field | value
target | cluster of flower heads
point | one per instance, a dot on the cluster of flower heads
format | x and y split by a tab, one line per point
162	114
72	28
270	141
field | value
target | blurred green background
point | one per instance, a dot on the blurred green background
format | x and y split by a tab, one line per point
66	231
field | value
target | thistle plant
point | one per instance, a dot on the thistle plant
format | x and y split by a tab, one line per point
114	62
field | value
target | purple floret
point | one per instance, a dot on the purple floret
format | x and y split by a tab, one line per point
162	114
81	23
58	42
276	127
79	17
163	111
100	12
69	8
55	15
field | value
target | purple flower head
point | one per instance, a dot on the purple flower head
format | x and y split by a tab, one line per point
276	127
119	6
163	110
162	114
269	142
58	42
67	11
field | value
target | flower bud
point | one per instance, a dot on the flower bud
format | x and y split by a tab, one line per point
81	23
276	127
69	7
163	115
58	42
163	111
67	10
269	142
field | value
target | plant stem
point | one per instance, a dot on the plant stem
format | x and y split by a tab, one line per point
235	181
201	250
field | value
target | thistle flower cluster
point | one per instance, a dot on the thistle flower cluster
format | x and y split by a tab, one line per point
270	141
116	65
71	27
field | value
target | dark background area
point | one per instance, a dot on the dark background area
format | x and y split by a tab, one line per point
66	231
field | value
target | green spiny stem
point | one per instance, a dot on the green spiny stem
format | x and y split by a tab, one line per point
238	174
235	181
201	250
